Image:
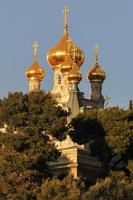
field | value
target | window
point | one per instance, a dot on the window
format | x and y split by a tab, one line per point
59	79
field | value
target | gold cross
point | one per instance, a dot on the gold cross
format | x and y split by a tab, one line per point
69	43
96	52
66	11
35	47
74	53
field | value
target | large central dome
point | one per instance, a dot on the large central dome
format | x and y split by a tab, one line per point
57	55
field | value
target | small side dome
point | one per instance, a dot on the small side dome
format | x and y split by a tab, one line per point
96	73
75	75
35	71
67	65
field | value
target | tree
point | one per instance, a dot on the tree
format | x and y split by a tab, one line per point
26	147
86	128
118	125
109	133
55	189
36	111
114	187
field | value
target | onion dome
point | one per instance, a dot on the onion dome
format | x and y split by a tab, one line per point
57	55
96	73
74	75
35	71
67	65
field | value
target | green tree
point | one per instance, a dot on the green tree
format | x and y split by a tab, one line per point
109	133
55	189
118	125
26	147
114	187
23	163
36	111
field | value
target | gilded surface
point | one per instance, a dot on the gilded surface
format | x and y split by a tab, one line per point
96	73
57	54
35	71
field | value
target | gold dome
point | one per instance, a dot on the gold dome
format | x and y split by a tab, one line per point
67	65
74	75
96	73
57	55
35	71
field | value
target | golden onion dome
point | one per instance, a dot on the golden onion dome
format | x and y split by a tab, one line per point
67	65
57	55
35	71
96	73
74	75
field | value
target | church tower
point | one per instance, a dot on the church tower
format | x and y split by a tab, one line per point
35	72
96	75
57	56
74	77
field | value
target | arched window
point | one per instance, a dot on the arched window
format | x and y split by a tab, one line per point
59	79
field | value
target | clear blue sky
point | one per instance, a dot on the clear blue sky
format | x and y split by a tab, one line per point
106	22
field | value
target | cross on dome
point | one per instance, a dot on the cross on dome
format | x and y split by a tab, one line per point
74	49
35	47
66	11
69	43
96	52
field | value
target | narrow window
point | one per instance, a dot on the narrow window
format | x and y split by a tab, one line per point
59	79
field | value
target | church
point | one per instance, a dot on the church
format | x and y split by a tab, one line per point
65	59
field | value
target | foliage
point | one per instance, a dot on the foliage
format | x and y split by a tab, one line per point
55	189
87	129
109	133
118	125
36	111
26	147
114	187
130	165
23	163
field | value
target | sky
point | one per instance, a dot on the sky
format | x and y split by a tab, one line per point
108	23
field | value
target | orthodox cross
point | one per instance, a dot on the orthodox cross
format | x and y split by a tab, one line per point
96	52
69	43
75	53
66	11
35	47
